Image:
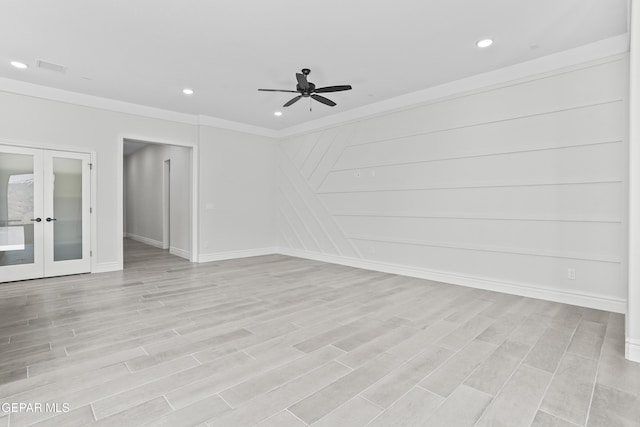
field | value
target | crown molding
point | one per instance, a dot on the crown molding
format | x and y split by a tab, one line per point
556	63
76	98
237	126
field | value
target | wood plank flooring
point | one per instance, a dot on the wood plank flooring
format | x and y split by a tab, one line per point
281	341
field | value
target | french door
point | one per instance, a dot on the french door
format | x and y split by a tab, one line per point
44	213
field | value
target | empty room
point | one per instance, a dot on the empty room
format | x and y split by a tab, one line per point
329	214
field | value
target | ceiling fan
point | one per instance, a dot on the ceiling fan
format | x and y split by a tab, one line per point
307	89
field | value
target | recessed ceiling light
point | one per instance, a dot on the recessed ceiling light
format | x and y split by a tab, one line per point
277	113
484	43
187	91
20	65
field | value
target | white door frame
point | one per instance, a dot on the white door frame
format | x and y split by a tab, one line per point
166	204
195	225
18	144
632	340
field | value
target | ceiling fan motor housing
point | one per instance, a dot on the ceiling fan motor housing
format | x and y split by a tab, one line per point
308	91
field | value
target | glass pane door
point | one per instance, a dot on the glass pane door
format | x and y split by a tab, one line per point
44	213
20	207
67	209
66	213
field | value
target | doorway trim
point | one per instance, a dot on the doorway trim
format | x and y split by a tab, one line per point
194	226
166	204
632	334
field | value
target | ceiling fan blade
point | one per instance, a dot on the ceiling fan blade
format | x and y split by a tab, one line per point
278	90
302	81
333	89
293	101
324	100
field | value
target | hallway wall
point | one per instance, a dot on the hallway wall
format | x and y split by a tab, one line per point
143	190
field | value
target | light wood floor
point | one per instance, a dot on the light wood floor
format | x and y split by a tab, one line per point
280	341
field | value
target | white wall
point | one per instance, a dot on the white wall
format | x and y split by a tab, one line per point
237	194
53	124
143	189
180	209
236	185
143	194
504	189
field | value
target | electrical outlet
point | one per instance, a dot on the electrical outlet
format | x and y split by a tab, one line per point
571	274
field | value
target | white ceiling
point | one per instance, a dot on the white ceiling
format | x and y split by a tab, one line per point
147	51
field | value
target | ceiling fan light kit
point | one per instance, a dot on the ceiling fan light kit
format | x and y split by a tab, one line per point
306	89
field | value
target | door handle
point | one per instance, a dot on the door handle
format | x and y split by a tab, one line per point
36	219
49	219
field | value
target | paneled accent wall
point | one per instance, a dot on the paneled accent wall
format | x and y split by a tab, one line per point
506	189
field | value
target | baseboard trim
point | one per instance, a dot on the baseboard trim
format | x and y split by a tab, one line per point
145	240
632	349
581	299
106	267
599	302
244	253
179	252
